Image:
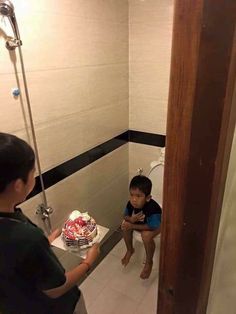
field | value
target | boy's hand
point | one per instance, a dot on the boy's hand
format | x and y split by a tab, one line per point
137	217
92	254
126	225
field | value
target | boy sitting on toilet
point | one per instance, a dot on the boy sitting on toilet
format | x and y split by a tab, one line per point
142	214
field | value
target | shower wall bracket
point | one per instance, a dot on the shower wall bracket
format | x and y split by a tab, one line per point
44	213
13	43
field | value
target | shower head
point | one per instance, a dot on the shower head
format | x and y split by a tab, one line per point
6	8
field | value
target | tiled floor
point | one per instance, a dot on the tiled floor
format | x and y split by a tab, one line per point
112	289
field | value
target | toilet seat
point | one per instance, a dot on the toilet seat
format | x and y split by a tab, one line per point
156	176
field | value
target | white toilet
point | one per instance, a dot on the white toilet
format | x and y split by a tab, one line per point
156	176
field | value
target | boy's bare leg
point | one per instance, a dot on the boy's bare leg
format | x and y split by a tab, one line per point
128	238
149	245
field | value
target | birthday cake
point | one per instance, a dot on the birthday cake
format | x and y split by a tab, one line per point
79	231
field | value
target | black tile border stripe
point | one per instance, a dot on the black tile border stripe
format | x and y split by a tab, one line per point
147	138
73	165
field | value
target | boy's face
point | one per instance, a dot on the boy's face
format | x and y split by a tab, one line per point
138	198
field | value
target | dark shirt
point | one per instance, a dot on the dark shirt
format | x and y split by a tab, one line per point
151	210
27	267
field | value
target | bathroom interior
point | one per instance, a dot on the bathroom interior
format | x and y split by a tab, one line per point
88	89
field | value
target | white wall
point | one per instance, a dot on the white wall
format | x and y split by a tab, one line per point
150	28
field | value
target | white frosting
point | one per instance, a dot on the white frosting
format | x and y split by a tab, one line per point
85	216
75	214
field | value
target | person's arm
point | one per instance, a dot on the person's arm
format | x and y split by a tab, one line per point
127	216
126	225
134	217
52	236
153	223
73	276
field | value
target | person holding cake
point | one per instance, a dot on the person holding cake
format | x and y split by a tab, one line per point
32	280
143	214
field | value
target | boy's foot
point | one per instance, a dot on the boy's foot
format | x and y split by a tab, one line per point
146	272
126	258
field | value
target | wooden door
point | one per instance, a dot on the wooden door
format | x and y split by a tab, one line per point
200	126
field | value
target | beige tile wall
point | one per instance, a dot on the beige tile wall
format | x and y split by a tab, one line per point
140	156
76	59
150	28
223	285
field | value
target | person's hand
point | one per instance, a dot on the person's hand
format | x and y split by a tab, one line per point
126	225
92	254
54	235
137	217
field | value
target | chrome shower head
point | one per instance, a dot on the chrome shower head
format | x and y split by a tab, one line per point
6	8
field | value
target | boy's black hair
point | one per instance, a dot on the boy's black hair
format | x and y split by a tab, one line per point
17	159
142	183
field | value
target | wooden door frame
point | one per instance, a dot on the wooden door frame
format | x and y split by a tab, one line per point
200	127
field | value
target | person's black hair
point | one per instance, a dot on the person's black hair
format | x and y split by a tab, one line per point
142	183
17	159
